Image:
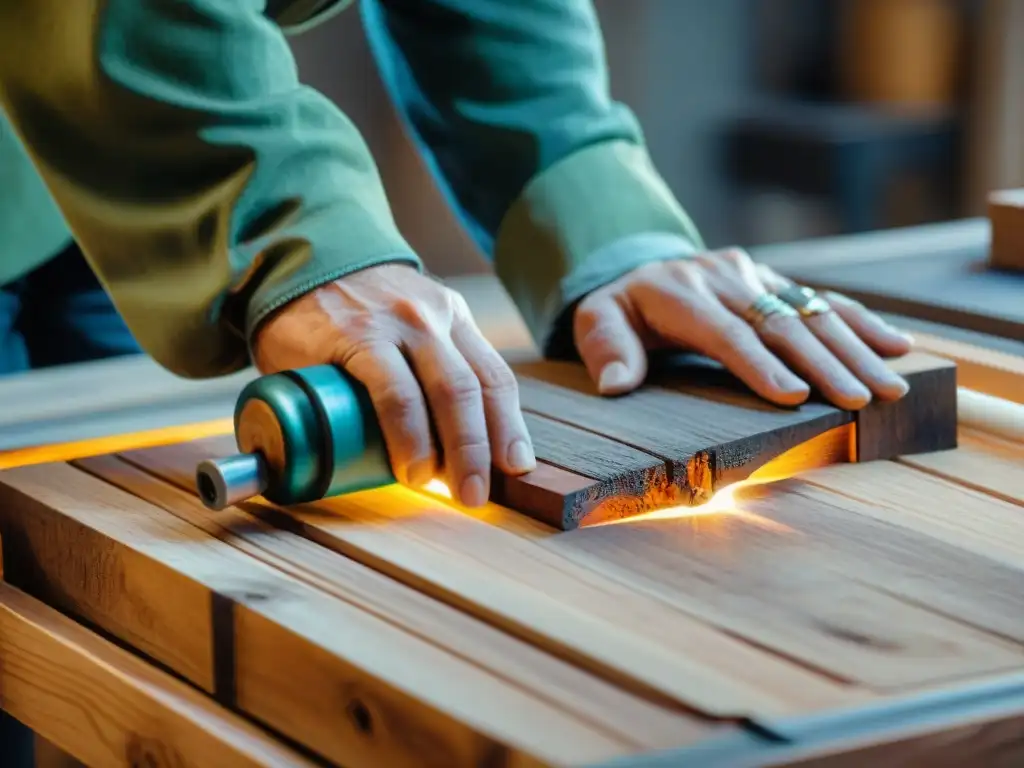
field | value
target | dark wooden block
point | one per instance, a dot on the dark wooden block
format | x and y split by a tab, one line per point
923	420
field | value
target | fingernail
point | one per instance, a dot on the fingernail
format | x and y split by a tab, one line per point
613	376
421	472
787	382
899	385
472	492
520	457
856	393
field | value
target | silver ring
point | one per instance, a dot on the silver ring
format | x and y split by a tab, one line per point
767	305
804	300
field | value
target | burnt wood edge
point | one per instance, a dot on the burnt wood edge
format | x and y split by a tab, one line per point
921	723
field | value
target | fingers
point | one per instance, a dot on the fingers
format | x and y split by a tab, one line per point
511	447
687	313
738	285
848	346
882	337
456	399
608	345
401	410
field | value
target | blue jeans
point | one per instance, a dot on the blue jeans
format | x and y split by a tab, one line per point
57	314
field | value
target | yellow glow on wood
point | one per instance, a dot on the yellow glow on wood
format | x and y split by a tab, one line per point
129	441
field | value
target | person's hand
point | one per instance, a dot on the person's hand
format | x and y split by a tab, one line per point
414	345
704	304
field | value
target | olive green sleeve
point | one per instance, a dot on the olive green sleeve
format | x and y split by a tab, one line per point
204	183
510	104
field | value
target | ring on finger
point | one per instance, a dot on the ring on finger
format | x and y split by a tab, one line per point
767	305
804	300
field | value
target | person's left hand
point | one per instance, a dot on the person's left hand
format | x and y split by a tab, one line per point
706	304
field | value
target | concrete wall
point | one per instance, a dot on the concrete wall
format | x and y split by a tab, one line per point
681	64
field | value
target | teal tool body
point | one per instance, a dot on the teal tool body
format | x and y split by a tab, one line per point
303	435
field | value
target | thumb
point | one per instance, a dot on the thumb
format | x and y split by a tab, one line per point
609	346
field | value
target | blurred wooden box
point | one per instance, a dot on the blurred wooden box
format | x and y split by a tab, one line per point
1006	216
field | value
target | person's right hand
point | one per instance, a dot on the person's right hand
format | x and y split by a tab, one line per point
414	345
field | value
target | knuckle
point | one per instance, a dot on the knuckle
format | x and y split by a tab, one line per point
735	256
398	403
411	313
736	336
498	379
457	390
689	273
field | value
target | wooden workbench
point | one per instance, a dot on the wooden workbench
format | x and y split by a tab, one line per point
851	615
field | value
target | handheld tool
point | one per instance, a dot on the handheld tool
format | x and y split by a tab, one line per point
303	435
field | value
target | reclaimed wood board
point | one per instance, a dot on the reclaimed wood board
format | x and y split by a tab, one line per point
691	430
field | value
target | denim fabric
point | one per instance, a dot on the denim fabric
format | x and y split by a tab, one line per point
57	314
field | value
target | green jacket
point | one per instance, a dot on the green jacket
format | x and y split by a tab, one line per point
208	187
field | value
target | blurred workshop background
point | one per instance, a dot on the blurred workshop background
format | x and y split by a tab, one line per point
772	120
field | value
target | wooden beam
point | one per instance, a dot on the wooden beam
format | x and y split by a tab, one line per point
106	708
347	684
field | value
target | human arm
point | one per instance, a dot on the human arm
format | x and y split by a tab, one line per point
510	105
206	185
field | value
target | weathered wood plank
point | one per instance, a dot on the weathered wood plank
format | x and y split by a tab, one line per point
355	688
108	708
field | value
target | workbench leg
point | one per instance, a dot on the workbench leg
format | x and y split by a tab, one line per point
16	743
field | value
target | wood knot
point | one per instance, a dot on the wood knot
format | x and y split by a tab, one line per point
145	752
360	715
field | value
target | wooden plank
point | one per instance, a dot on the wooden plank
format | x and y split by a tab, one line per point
707	430
630	718
355	689
878	545
486	563
730	570
989	371
955	288
107	708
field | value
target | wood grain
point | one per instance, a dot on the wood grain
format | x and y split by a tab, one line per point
356	689
107	708
488	563
738	572
693	430
989	371
630	718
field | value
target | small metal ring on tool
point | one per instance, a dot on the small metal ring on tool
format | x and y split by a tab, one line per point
804	300
767	305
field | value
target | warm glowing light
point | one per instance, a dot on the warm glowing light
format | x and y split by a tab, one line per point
130	441
723	502
438	488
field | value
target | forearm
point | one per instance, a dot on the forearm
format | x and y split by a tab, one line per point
204	183
511	106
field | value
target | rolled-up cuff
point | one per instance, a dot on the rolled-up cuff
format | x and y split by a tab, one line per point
583	222
328	246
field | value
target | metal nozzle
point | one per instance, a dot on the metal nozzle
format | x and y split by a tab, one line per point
228	481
